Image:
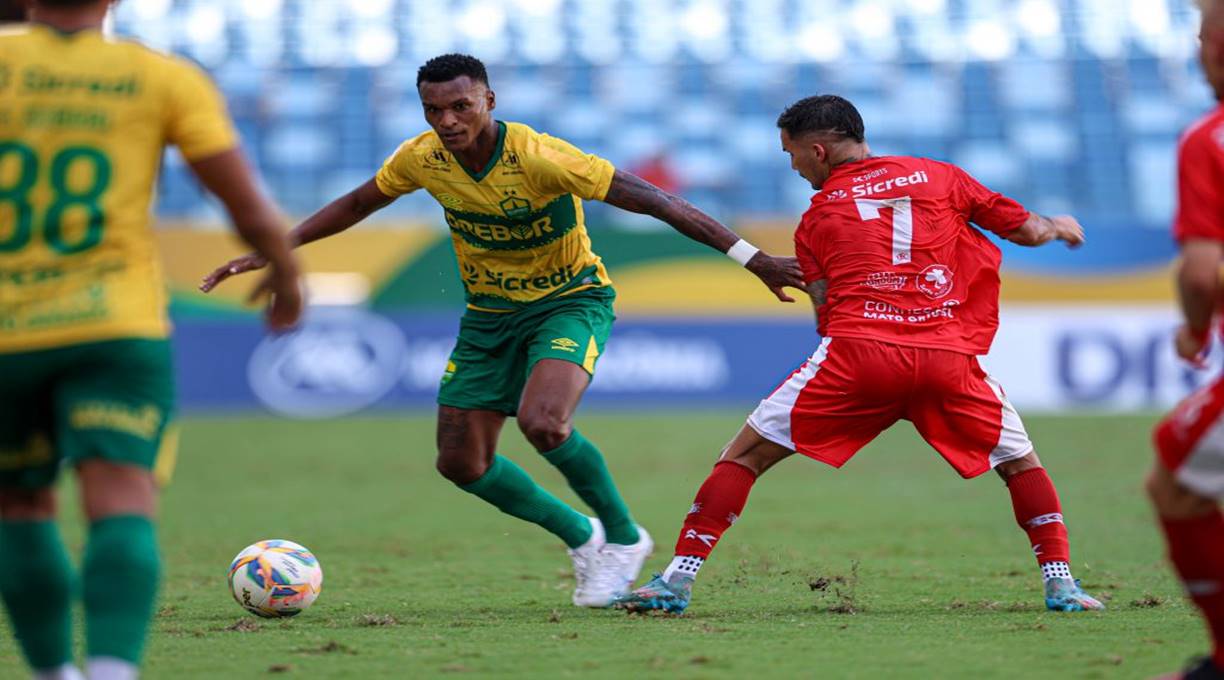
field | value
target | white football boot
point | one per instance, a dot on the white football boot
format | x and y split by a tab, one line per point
586	560
619	566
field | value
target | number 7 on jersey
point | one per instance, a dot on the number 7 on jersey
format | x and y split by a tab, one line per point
902	223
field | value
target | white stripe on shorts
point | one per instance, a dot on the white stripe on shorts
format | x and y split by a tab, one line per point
1203	470
772	417
1013	440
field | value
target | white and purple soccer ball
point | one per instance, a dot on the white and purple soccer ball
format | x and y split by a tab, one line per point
275	578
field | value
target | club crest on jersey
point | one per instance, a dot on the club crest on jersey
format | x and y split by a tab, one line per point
935	281
516	208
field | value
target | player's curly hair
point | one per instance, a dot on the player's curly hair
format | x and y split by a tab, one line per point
826	113
450	66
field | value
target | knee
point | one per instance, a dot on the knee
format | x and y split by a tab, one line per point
546	431
461	470
27	504
1011	468
1171	500
109	489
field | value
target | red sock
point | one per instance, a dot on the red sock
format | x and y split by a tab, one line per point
719	502
1196	548
1040	515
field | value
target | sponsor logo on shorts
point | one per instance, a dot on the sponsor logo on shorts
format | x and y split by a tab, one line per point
888	281
140	421
935	281
36	452
564	345
449	374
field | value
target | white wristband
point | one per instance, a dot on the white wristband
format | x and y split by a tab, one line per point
742	251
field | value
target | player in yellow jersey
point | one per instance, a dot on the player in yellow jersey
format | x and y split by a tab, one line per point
85	366
539	304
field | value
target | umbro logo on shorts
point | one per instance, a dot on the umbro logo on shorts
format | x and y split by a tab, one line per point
564	344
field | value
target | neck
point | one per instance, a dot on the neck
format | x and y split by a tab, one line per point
70	19
480	154
849	153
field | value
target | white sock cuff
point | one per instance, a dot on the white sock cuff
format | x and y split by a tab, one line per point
1051	570
686	565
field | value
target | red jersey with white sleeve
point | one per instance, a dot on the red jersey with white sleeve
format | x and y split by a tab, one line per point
893	239
1200	180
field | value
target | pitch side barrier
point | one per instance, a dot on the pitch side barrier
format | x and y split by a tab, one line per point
348	359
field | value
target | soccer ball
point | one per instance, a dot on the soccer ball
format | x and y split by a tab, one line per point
275	578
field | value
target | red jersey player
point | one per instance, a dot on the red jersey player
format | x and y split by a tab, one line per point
907	297
1188	479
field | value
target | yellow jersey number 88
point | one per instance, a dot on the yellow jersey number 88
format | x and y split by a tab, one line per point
16	193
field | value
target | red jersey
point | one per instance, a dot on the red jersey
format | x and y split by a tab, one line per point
1200	180
892	238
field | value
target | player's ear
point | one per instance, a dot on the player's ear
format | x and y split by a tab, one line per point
491	99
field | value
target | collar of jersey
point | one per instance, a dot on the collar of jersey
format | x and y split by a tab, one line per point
62	33
493	160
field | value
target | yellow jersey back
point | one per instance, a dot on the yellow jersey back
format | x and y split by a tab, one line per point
83	123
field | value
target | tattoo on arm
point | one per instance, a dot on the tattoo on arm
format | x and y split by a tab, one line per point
632	193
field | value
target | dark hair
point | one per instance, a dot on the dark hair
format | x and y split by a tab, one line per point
826	113
11	11
64	3
450	66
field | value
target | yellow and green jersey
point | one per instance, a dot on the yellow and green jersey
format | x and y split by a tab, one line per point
83	122
517	224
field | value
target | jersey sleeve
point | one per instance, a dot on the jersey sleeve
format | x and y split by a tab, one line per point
397	175
986	208
197	121
554	166
1200	189
805	252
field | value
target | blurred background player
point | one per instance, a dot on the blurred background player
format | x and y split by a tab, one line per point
539	304
906	295
84	353
1187	480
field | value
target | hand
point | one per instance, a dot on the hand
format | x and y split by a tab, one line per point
1068	230
283	286
1191	347
776	273
238	265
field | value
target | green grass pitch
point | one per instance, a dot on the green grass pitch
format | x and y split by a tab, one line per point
893	566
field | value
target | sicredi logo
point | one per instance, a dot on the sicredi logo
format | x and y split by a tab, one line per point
863	190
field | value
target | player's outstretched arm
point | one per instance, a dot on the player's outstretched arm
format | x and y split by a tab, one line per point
632	193
258	222
1039	230
1198	291
334	218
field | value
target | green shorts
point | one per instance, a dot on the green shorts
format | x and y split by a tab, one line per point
496	352
110	400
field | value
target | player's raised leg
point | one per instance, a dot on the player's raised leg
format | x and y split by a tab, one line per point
467	441
719	503
545	416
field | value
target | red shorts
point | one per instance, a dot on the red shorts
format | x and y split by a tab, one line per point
851	390
1190	441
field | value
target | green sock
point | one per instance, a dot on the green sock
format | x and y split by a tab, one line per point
121	573
511	490
583	466
38	587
